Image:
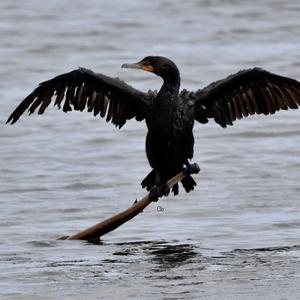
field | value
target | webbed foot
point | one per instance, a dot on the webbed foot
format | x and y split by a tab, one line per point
193	168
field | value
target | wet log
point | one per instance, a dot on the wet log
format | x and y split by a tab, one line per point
95	232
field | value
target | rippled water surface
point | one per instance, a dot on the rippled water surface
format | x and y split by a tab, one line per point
237	236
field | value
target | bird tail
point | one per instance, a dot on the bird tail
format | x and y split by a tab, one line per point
188	183
149	181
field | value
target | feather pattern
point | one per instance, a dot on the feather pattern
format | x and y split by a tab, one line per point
245	93
82	88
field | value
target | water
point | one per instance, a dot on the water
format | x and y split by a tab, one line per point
236	236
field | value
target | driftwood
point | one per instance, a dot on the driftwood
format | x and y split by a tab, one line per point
95	232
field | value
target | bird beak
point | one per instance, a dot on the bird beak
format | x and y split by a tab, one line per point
138	65
132	66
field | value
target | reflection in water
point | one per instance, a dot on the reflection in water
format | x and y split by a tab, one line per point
168	256
160	254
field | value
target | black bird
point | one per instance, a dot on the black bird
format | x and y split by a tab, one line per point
169	114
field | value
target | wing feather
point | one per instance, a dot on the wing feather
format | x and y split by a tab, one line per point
82	88
60	93
245	93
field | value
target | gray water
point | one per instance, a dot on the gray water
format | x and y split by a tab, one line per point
237	236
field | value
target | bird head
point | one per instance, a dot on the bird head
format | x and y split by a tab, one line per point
158	65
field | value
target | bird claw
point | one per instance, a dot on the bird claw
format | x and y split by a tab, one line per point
157	192
193	168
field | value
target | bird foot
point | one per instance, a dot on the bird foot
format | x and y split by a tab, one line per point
156	192
193	168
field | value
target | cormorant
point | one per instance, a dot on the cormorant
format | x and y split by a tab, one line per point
169	113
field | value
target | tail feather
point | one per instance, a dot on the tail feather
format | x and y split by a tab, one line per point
188	183
149	181
175	189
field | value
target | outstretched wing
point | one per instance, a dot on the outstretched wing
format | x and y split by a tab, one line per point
245	93
82	88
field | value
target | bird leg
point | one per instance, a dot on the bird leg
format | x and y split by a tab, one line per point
192	168
158	190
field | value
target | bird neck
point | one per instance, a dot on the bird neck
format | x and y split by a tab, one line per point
168	93
171	81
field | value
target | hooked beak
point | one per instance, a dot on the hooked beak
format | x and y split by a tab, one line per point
138	65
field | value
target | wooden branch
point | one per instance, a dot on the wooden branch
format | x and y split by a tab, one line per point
98	230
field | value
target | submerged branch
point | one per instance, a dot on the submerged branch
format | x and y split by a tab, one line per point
110	224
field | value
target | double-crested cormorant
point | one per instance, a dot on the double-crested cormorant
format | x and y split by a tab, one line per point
169	114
